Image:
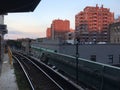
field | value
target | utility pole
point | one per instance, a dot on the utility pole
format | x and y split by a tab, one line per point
77	56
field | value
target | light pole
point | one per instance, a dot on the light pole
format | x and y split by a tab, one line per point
77	56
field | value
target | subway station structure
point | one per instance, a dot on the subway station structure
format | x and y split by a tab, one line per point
7	77
13	6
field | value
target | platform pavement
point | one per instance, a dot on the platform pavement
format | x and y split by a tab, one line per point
7	77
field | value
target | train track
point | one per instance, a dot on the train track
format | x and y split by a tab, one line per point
41	77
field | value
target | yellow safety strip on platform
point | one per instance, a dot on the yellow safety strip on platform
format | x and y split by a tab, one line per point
10	55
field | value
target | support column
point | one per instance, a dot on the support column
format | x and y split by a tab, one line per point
3	31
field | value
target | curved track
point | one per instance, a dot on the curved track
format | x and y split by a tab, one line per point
41	77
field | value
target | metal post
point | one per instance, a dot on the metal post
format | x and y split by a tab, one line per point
77	56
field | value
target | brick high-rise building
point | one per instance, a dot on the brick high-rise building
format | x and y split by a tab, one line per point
94	18
93	21
48	33
61	25
58	29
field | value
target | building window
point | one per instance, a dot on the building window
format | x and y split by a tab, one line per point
118	40
93	57
119	58
114	40
110	57
70	34
69	38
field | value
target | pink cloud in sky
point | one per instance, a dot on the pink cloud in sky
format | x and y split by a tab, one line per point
20	34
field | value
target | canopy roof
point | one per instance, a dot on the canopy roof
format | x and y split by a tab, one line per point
14	6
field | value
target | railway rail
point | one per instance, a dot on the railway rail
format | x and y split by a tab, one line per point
92	75
41	77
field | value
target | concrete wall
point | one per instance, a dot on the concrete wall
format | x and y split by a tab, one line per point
48	44
102	51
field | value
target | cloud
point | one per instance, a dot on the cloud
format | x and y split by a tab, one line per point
14	34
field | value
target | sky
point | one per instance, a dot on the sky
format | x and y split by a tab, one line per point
34	24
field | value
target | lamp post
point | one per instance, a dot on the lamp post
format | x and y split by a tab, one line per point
77	56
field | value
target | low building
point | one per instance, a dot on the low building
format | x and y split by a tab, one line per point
70	37
93	37
114	32
103	53
117	20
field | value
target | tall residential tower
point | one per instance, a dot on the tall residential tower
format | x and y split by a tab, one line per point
58	29
93	21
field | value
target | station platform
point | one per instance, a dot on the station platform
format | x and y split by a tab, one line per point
7	76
